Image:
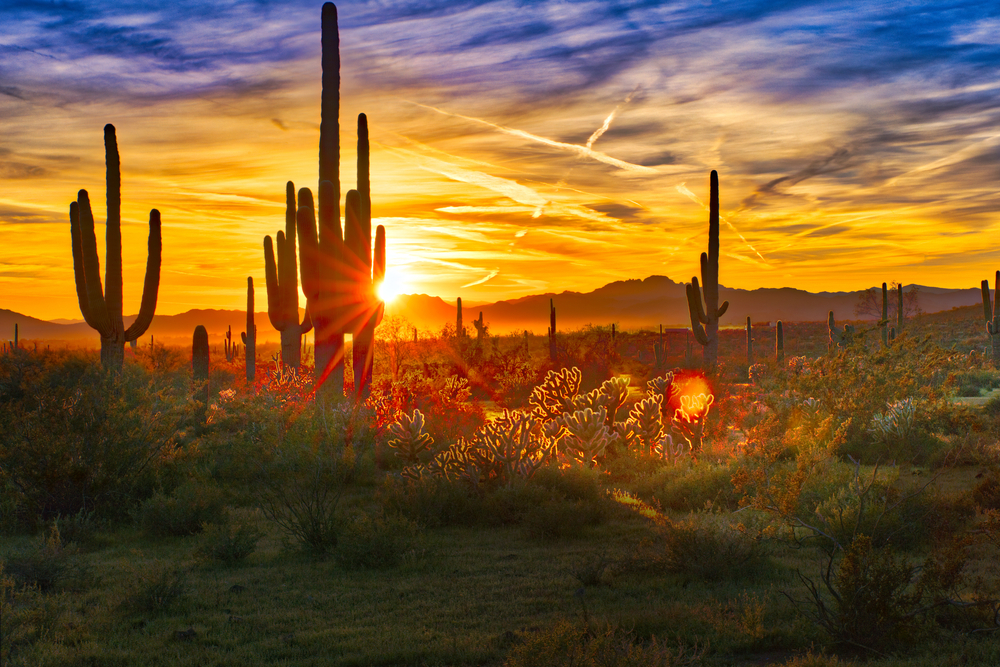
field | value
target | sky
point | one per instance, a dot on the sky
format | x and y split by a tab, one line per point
517	147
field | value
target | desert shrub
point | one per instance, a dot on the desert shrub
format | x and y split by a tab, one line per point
27	617
47	564
986	494
574	482
970	382
688	488
156	589
507	506
709	548
80	528
566	644
229	542
183	512
303	474
431	501
75	437
375	541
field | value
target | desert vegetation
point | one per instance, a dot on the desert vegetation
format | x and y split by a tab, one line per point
827	496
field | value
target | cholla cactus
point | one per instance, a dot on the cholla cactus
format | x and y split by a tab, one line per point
757	372
555	395
409	440
896	423
514	441
616	389
588	436
661	385
689	419
645	422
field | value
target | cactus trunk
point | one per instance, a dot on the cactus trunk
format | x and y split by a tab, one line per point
281	276
705	320
552	330
749	344
199	368
102	307
249	336
459	328
884	322
899	309
779	345
992	316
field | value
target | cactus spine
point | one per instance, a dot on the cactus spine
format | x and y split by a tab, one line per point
779	345
705	320
992	316
102	307
552	330
339	276
249	337
283	286
459	328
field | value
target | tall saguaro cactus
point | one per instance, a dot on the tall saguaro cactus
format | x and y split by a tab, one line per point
884	322
102	307
339	276
249	336
705	319
992	316
459	328
553	352
283	286
749	343
779	345
199	367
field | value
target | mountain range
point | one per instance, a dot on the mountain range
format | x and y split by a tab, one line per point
629	304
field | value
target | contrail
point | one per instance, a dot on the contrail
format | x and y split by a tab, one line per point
682	188
583	151
490	276
607	121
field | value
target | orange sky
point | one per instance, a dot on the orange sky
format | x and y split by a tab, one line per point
513	152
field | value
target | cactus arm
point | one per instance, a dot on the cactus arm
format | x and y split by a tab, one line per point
899	308
99	318
151	282
329	127
694	300
996	301
364	188
310	256
271	279
378	264
694	306
987	309
79	269
723	308
307	323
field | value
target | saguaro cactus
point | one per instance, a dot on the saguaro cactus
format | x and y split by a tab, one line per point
283	286
779	344
552	330
15	335
228	345
839	336
705	320
884	322
749	343
249	337
899	308
480	329
339	276
199	367
102	307
459	327
659	351
992	316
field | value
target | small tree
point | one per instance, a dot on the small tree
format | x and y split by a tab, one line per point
870	302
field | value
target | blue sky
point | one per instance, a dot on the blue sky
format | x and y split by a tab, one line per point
517	147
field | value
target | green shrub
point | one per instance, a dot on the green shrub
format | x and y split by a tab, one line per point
691	488
183	512
507	506
228	542
574	482
431	502
47	564
705	547
74	437
375	541
157	589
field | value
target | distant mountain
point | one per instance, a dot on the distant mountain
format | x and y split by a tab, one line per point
629	304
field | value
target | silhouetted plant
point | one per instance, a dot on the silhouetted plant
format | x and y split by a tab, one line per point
102	307
705	319
283	286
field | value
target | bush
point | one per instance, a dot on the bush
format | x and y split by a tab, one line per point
691	488
431	502
184	512
157	589
48	564
706	548
375	541
74	437
300	482
560	517
229	543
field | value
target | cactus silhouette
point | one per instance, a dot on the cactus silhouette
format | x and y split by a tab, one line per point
749	343
482	329
839	336
552	330
283	286
992	316
339	276
659	351
228	345
705	320
199	367
779	345
249	337
102	307
459	327
884	322
899	308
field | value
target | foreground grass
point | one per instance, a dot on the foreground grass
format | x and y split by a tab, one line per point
463	596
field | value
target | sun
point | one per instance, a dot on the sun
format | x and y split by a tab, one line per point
392	286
